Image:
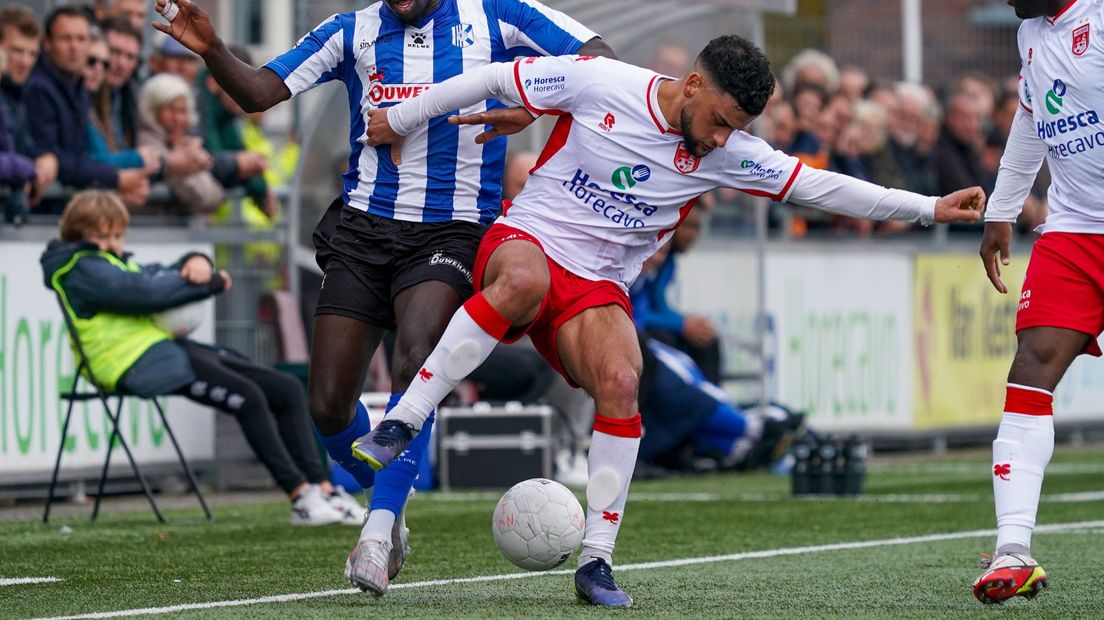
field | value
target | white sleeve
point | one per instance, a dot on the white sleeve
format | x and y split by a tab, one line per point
1023	155
493	81
843	195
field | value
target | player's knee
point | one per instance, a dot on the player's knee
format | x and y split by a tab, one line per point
1038	353
330	413
524	287
619	385
409	361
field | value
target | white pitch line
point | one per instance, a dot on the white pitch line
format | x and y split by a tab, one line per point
635	497
733	557
20	581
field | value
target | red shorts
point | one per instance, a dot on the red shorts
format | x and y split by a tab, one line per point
568	296
1064	286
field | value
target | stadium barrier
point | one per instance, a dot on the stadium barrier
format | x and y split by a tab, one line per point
879	339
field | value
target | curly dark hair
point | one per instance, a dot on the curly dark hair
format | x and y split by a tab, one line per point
740	69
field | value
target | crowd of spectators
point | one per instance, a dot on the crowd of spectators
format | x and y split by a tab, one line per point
900	134
87	103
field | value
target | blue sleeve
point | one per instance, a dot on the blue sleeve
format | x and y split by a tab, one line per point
532	25
98	151
316	59
662	315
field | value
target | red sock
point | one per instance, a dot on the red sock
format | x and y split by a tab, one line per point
486	317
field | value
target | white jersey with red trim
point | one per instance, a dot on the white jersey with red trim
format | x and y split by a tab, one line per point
615	179
1062	88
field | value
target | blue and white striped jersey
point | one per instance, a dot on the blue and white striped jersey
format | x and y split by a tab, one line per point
444	175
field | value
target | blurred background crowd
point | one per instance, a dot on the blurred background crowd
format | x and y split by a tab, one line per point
88	102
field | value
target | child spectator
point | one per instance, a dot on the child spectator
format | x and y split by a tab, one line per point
109	299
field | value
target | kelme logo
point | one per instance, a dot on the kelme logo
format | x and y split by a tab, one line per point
1054	97
626	178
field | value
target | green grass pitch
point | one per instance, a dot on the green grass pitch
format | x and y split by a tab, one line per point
128	562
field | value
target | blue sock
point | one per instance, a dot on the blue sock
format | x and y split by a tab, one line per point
393	483
340	447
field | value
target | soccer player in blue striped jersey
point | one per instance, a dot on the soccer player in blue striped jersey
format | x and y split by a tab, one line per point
398	246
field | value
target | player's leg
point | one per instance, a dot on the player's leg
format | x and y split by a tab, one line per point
1058	317
599	349
514	282
1021	452
340	354
422	312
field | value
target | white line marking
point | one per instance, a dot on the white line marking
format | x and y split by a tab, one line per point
19	581
634	497
977	469
733	557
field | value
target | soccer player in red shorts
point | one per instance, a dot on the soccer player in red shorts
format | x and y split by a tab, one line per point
630	154
1061	309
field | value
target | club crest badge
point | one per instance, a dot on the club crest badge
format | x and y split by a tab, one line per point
1081	40
685	161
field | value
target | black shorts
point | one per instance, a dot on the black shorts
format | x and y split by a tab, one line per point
368	260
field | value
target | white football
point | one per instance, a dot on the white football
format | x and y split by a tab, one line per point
538	524
181	320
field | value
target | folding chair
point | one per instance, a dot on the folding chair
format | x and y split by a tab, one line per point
99	393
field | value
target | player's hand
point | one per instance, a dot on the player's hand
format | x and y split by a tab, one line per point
197	270
192	26
502	122
380	133
698	330
965	205
228	282
995	242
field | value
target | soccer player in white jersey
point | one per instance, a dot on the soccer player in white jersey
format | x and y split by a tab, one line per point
630	154
398	247
1061	310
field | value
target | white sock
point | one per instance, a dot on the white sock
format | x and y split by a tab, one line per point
1021	453
379	525
463	347
610	466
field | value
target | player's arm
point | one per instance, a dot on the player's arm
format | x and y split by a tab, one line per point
596	47
255	89
844	195
1023	155
503	81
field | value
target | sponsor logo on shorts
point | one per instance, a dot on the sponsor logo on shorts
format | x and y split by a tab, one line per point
1025	300
439	258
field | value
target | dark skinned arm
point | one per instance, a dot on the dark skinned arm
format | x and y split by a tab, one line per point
255	89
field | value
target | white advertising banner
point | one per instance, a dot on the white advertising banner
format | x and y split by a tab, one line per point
36	364
841	325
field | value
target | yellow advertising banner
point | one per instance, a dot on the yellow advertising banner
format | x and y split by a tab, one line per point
965	340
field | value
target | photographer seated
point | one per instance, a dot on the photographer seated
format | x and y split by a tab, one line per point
110	299
689	421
